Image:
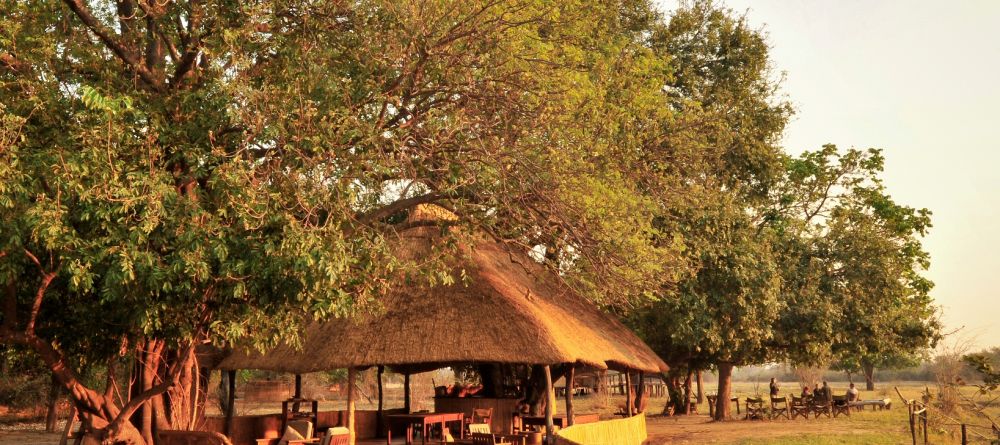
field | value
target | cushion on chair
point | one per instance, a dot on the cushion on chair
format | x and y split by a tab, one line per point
290	434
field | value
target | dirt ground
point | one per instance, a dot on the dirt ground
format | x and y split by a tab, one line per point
699	429
694	429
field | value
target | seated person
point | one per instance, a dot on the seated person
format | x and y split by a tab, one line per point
853	395
805	392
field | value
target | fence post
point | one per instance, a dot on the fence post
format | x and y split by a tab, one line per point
924	418
913	427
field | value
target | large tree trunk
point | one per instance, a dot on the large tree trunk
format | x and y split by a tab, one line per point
701	391
640	393
52	416
869	376
688	391
723	408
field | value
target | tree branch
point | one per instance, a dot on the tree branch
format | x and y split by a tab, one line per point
173	374
123	53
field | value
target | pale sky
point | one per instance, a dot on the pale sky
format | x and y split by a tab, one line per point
920	80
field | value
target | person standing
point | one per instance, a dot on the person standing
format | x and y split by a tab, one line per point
774	387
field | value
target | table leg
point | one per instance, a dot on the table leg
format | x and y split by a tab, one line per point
409	433
388	434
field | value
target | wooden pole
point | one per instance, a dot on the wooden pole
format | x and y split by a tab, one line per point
628	394
923	418
570	381
965	439
351	377
378	421
298	386
230	402
406	392
913	427
548	406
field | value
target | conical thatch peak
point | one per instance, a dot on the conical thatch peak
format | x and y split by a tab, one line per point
509	309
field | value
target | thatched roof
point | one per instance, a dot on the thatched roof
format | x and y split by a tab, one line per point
509	309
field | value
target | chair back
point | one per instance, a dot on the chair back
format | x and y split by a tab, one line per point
336	436
483	439
798	401
480	428
779	402
755	402
482	415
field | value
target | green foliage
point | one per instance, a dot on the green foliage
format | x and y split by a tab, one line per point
984	365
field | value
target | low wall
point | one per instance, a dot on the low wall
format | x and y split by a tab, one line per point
246	430
628	431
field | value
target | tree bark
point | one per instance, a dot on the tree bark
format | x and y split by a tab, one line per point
723	410
628	394
640	393
52	416
687	391
701	391
869	371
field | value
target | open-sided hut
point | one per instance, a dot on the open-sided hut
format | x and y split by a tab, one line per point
503	307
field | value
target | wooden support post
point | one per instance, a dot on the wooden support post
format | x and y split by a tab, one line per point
965	439
406	392
913	426
923	418
230	402
548	406
628	394
351	383
570	380
378	420
298	386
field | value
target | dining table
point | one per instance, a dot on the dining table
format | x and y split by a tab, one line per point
424	421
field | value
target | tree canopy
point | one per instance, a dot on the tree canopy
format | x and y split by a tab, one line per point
178	173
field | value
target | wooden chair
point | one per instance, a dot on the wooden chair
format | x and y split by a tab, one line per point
841	406
755	409
821	405
487	439
297	432
479	428
480	415
779	407
336	436
799	407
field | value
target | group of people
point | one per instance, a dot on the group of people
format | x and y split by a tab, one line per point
823	392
